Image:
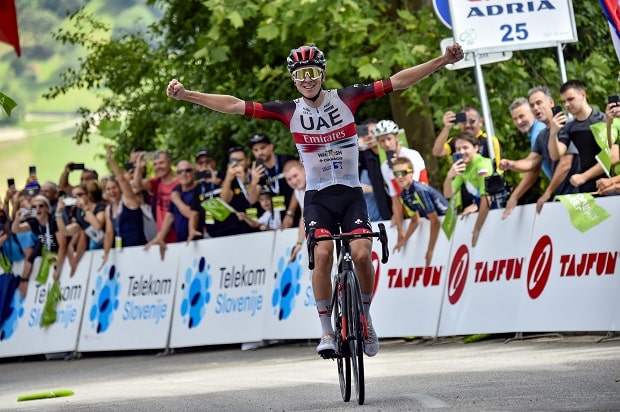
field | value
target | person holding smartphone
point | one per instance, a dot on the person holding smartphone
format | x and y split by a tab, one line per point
469	172
578	131
542	105
86	175
468	120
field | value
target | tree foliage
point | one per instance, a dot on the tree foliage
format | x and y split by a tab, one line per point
239	47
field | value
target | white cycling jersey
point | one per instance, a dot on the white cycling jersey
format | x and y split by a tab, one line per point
326	136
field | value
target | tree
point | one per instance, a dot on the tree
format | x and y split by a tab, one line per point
239	47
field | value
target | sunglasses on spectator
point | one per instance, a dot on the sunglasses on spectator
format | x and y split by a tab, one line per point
402	173
188	171
299	75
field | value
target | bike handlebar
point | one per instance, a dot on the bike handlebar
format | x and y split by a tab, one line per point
381	235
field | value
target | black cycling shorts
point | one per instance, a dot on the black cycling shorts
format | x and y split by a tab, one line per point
336	205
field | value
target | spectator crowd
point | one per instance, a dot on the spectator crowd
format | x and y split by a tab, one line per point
154	200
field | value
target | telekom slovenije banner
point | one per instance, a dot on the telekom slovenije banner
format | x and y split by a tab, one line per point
528	273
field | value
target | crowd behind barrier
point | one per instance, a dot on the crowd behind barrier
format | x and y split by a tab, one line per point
528	273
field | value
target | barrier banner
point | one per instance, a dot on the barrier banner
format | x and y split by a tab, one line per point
485	283
291	308
407	294
573	277
22	333
223	290
130	300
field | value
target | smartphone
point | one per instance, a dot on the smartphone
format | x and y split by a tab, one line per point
362	130
10	182
389	154
32	170
259	162
76	166
460	118
129	166
556	109
614	98
205	174
456	157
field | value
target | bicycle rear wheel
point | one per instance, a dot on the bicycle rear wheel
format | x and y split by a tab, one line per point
343	360
355	334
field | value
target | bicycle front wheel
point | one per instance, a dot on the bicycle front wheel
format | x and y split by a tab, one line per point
355	333
343	359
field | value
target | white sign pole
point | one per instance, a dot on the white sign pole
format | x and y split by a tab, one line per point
561	63
486	110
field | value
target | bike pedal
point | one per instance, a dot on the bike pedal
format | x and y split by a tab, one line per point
329	354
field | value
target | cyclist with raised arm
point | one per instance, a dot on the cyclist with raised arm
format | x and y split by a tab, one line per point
323	126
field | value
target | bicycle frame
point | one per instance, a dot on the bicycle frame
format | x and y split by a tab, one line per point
348	313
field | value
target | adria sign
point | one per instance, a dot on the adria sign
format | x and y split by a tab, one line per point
458	274
539	269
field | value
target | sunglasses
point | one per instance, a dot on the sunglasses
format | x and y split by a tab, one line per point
402	173
180	171
299	75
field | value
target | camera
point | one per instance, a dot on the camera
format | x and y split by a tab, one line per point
497	190
460	118
456	157
10	182
29	213
32	170
76	166
614	98
555	110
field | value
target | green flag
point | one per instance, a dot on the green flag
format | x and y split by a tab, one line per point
48	317
583	211
217	208
599	130
449	220
7	103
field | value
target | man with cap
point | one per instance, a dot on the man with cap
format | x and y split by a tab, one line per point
270	166
208	183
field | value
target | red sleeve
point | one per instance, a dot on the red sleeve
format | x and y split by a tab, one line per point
354	95
279	110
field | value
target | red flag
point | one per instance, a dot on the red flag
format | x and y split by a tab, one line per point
8	25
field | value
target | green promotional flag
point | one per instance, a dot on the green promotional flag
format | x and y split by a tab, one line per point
47	260
599	130
219	209
5	264
48	317
583	211
449	220
7	103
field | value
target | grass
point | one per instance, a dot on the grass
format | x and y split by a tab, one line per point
50	152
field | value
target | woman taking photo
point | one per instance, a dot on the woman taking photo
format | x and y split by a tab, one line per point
469	169
45	228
